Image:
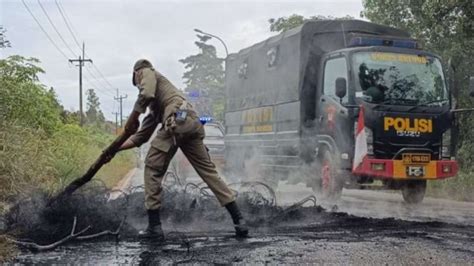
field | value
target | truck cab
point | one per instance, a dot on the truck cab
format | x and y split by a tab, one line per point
407	118
340	104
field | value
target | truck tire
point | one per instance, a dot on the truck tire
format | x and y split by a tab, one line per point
414	191
331	182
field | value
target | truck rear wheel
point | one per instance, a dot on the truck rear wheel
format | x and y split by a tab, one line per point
414	191
331	183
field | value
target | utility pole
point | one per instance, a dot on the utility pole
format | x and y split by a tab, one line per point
120	100
116	122
81	61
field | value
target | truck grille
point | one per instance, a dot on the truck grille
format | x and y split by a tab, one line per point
387	149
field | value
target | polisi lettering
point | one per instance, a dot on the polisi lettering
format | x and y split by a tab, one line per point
399	124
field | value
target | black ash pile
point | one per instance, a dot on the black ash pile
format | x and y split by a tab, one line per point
93	213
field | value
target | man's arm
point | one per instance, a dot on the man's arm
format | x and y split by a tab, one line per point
143	135
149	125
132	124
147	85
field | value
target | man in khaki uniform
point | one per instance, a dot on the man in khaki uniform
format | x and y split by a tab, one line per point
182	129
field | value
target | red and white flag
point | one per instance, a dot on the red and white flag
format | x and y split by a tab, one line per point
360	141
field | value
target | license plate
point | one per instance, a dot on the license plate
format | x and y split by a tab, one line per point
416	158
415	171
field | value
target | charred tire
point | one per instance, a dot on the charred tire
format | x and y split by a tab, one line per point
331	182
414	191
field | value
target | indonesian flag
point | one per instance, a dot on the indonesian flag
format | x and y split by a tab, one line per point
360	141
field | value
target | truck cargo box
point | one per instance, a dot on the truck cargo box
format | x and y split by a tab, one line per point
270	86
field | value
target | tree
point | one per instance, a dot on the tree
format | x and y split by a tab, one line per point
445	28
4	43
295	20
93	113
205	74
23	99
17	68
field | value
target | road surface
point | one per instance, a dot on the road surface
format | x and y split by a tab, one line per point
364	227
372	204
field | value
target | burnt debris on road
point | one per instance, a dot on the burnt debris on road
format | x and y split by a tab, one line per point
302	233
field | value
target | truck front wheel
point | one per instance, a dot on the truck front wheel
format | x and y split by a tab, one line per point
331	183
413	191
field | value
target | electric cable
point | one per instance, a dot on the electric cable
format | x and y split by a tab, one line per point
44	31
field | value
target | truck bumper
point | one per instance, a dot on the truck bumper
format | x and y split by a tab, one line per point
396	169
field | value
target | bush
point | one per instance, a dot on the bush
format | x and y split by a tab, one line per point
31	158
41	145
457	188
24	100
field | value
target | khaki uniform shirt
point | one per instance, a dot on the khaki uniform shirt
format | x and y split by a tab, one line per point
163	100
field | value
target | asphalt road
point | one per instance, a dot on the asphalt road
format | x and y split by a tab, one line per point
364	227
372	204
376	204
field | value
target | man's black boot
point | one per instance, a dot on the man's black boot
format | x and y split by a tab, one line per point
154	226
241	229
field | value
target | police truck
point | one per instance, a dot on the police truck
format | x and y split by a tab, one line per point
340	104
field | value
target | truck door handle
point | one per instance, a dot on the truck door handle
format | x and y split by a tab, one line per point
323	100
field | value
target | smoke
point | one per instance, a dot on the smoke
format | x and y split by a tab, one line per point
288	163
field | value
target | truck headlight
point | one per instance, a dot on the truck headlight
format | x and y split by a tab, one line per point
446	144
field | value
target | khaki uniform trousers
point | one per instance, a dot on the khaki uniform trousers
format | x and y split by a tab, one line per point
158	160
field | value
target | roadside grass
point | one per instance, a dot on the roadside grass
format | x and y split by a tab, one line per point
6	249
30	158
118	168
33	160
460	187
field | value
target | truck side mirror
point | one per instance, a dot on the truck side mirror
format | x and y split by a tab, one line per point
341	88
471	86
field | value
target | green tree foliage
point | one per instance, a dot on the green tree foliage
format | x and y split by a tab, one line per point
93	113
295	20
4	43
25	100
205	73
41	144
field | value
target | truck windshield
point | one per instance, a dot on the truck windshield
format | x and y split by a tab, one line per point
399	79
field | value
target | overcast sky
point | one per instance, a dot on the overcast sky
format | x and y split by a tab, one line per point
117	33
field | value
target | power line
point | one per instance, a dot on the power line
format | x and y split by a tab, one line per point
55	29
43	30
100	73
106	94
69	26
95	87
63	40
98	81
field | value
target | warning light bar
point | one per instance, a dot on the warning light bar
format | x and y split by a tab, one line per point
205	119
368	41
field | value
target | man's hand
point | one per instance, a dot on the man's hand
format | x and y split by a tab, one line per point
128	144
132	123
